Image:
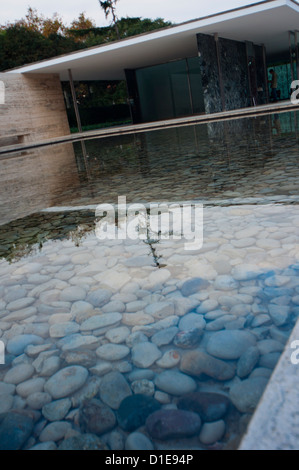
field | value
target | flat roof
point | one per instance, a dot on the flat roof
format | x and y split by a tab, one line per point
266	22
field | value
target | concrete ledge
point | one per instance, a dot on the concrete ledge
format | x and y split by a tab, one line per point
275	423
280	107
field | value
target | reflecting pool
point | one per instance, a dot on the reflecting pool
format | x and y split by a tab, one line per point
139	343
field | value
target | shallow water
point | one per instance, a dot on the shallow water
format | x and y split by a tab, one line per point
147	316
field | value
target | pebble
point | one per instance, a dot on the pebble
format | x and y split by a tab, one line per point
134	410
193	286
83	441
118	335
169	359
230	344
19	374
114	389
143	387
198	362
112	352
212	432
138	441
164	337
18	344
175	383
96	417
55	431
173	424
246	394
99	297
37	400
56	410
66	381
145	354
60	330
209	405
160	310
248	360
73	294
9	422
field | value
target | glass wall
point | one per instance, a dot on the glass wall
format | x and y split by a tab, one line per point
170	90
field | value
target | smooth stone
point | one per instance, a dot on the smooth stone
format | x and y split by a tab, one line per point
57	410
134	410
175	383
246	272
101	321
73	294
55	431
158	277
44	446
6	402
96	418
212	432
20	315
18	344
173	424
114	280
66	381
207	306
83	441
114	389
225	283
30	386
114	306
139	318
262	319
49	366
145	354
139	261
279	314
20	304
99	297
15	429
247	362
277	281
193	286
269	360
169	359
77	341
220	323
160	310
230	344
60	330
118	335
112	352
135	306
138	441
269	345
188	339
164	337
15	293
37	400
247	394
143	387
19	374
210	406
192	321
197	362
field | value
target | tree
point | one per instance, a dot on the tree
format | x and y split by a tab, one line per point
109	7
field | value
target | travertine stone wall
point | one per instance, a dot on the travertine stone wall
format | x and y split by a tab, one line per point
33	108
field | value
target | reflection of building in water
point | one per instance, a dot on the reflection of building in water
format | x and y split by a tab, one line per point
35	180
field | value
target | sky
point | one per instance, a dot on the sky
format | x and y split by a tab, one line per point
176	11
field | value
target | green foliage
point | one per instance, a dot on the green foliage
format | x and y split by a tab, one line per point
20	46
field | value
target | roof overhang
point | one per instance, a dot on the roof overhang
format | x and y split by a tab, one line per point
266	22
